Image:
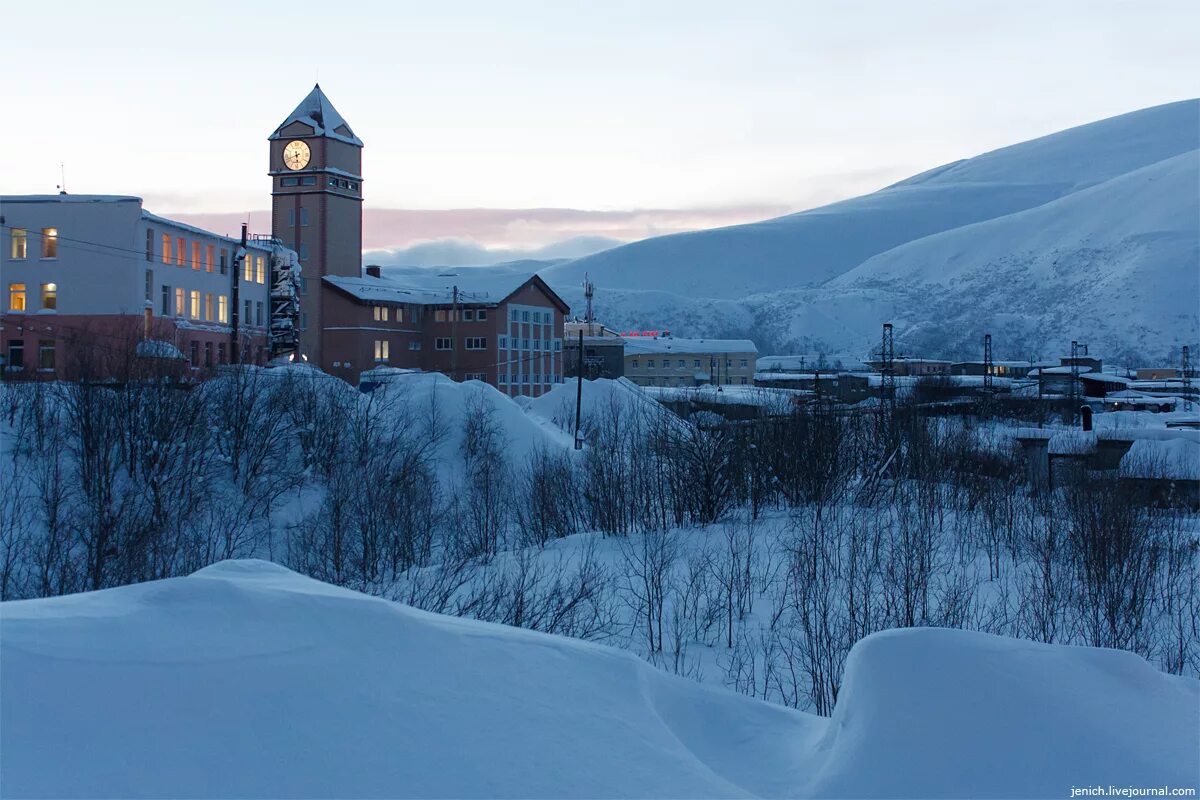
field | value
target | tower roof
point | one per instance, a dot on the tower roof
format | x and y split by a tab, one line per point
319	114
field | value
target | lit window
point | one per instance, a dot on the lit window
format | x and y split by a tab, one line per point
180	251
166	245
208	307
210	253
16	297
439	315
49	295
20	244
49	242
195	304
381	313
179	302
248	268
195	255
399	315
262	269
222	309
381	350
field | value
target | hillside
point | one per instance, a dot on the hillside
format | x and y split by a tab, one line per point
1106	205
248	680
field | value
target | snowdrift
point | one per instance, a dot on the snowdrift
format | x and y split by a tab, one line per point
247	680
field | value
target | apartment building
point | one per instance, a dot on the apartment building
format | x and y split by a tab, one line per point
506	330
667	361
86	278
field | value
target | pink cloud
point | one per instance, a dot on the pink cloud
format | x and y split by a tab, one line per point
392	228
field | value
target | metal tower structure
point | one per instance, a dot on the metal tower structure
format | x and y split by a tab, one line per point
887	369
588	290
988	367
285	301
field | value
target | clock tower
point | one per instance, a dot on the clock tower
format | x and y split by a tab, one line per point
316	204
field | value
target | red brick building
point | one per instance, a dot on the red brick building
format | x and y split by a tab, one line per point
506	330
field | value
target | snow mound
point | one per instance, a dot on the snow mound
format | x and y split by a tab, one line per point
248	680
941	713
599	398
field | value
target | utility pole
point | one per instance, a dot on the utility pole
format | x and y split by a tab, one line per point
235	350
887	370
579	394
589	318
1187	370
454	333
987	363
1077	350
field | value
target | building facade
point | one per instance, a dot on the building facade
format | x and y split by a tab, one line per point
508	333
87	278
603	353
668	361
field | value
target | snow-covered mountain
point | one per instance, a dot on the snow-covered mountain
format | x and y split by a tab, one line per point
248	680
1092	233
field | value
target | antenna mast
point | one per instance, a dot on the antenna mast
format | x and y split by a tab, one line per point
588	290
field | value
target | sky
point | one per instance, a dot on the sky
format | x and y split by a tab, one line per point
534	127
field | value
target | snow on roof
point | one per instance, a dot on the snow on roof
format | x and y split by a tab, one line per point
1104	377
1072	442
433	289
635	345
1176	458
69	198
318	113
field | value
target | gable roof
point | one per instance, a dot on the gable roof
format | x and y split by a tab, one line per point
437	291
319	114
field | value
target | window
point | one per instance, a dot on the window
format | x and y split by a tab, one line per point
381	313
476	343
308	180
222	355
743	380
502	377
525	316
195	255
166	245
650	363
439	315
20	244
166	300
49	295
303	320
514	315
249	312
179	303
696	363
634	365
333	182
258	313
291	217
524	344
223	309
208	307
353	185
149	285
682	363
208	353
381	350
149	244
16	297
224	266
195	308
290	181
179	252
303	252
261	261
481	315
49	242
209	257
46	354
195	348
248	268
443	344
304	218
502	342
16	354
476	376
537	344
414	345
743	364
558	345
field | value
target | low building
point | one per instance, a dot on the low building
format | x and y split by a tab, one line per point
1000	369
1155	373
503	329
603	351
914	366
668	361
87	278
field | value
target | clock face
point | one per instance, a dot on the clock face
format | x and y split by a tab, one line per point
296	155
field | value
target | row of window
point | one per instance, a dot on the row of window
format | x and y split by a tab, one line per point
546	317
45	355
681	363
536	378
222	353
311	180
539	345
383	313
20	243
17	300
464	315
683	382
203	256
382	351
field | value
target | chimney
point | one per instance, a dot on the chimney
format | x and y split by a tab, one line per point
373	271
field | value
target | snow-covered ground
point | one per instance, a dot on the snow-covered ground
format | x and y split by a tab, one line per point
247	680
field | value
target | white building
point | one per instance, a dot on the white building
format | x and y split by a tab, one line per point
86	276
668	361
